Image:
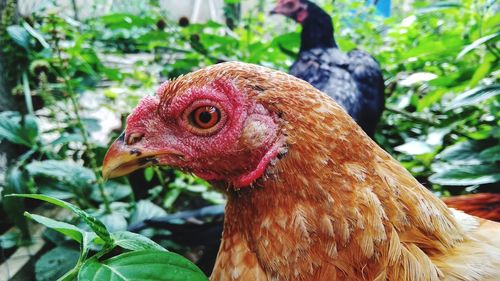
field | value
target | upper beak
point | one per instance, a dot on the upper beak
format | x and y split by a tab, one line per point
274	11
122	159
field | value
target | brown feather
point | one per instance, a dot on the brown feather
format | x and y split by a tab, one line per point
336	206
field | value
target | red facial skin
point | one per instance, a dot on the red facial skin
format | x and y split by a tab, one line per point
237	149
294	9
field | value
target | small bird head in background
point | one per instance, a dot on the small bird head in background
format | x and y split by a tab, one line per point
209	123
294	9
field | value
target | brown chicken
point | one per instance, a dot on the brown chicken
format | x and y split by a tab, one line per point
310	195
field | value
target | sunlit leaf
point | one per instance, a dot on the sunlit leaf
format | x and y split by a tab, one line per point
483	40
67	229
145	209
97	226
134	241
466	175
142	265
475	96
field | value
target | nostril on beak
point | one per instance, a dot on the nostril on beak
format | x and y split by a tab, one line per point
134	138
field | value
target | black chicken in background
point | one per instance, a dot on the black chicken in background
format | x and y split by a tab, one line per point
353	79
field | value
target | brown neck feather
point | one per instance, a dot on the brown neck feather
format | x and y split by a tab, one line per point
336	196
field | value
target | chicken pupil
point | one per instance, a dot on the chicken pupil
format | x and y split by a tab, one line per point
205	116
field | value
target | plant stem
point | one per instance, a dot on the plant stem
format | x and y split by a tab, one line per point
90	149
161	179
27	94
86	141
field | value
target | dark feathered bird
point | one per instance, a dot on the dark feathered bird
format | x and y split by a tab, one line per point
353	79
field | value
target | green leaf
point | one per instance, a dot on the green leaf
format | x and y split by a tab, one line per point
414	147
19	35
55	263
67	229
482	71
142	265
15	132
478	42
491	154
15	183
145	209
475	96
149	173
62	170
439	7
134	241
466	175
114	191
114	221
9	240
97	226
463	152
36	34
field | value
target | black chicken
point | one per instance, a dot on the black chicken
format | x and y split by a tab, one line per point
352	79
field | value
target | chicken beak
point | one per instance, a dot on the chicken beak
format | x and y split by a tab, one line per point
122	159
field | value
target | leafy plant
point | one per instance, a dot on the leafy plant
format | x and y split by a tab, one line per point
143	259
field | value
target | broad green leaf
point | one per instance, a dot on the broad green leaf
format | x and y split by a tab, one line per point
67	229
114	221
55	263
62	170
97	226
475	96
134	241
15	131
482	70
19	35
9	240
491	154
463	152
67	138
414	147
114	191
145	209
14	207
142	265
479	42
467	175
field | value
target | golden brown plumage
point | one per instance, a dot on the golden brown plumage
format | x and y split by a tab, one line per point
332	205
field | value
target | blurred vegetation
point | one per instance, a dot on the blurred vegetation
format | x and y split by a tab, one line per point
440	62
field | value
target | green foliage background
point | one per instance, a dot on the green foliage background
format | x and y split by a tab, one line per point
440	62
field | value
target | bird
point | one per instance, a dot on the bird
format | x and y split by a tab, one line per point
310	196
353	79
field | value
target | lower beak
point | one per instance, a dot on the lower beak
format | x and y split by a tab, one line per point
122	159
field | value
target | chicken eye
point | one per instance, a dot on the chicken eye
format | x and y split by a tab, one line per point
205	117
